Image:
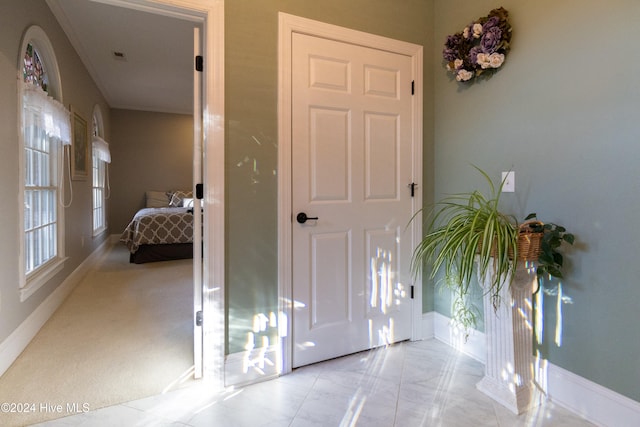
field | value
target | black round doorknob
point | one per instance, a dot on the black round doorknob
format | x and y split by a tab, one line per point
302	217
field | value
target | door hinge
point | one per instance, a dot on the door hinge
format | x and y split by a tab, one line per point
199	318
413	87
199	191
411	291
412	188
199	63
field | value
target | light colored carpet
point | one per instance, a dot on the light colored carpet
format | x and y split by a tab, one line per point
124	333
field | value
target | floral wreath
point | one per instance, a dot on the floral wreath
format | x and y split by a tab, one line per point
481	47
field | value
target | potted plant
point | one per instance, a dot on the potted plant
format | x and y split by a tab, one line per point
549	261
467	234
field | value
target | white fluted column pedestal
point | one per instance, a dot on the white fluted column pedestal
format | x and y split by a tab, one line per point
508	375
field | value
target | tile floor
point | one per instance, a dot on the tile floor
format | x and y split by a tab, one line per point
425	383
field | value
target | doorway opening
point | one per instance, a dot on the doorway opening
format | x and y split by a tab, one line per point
208	20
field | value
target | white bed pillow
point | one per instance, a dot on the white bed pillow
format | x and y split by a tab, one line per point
177	196
157	199
187	202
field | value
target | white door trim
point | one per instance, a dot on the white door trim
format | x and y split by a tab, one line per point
289	24
210	14
197	205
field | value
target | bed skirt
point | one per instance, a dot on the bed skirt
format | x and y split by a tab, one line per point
166	252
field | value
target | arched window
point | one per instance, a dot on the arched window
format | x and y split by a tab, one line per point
46	130
33	71
101	157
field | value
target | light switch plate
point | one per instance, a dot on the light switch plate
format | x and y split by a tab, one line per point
509	179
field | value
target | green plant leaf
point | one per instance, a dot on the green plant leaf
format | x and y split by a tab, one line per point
558	259
546	258
554	272
467	235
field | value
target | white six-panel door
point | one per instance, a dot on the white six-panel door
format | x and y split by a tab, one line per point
351	168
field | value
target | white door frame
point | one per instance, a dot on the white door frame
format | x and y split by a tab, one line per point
197	206
210	15
289	24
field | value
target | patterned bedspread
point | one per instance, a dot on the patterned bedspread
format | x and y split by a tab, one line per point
157	226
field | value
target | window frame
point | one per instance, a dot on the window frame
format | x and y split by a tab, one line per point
98	170
30	282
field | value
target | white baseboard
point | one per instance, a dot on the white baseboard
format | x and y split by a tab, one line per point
15	343
474	346
428	327
593	402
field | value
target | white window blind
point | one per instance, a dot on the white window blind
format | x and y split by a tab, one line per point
101	157
46	128
101	149
42	111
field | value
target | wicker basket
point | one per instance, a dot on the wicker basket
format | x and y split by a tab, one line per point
529	241
494	250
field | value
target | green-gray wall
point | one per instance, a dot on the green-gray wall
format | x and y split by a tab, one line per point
79	91
150	151
564	114
251	42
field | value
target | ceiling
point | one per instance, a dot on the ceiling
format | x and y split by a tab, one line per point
139	60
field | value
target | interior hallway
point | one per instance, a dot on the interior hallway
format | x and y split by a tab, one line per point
125	332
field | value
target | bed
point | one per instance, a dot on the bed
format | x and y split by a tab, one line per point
161	231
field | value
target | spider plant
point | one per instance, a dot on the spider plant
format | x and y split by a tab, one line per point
467	234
